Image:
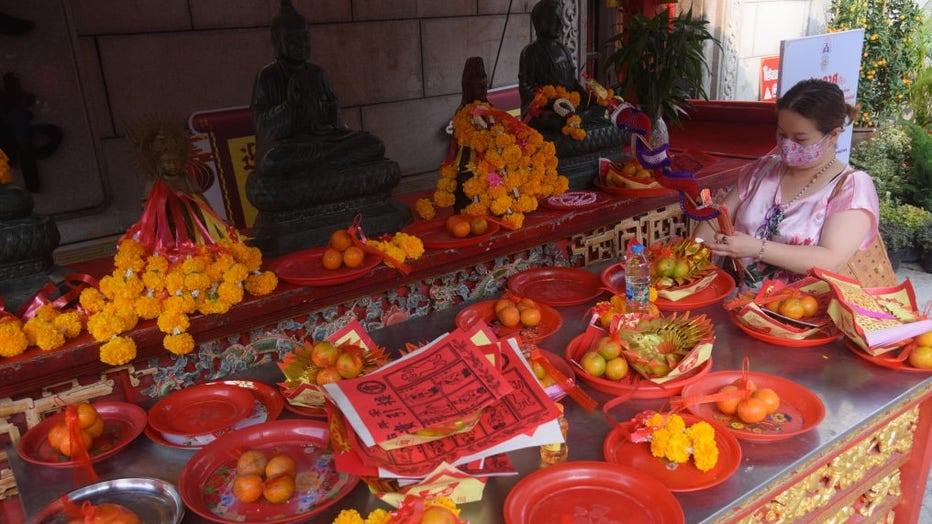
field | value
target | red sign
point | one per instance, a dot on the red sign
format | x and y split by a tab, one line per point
769	75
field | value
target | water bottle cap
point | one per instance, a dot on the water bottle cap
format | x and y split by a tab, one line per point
637	249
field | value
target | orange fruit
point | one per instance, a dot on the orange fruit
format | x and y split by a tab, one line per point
87	415
665	266
728	406
327	376
353	257
530	317
67	446
478	226
593	363
792	308
921	357
616	368
769	397
332	259
439	515
461	229
810	305
680	268
925	339
279	465
55	435
509	316
278	489
526	303
643	173
741	383
341	240
96	429
251	462
247	488
629	169
751	410
773	306
502	303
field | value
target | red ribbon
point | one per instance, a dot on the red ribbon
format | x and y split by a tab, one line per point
359	239
83	470
74	283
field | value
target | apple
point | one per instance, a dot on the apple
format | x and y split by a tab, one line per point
608	347
593	363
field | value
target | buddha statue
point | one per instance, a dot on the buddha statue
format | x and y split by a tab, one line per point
313	173
547	61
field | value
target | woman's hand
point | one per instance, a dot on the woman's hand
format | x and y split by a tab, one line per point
738	245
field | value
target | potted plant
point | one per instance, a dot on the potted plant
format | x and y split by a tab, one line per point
896	233
923	242
659	64
885	158
892	53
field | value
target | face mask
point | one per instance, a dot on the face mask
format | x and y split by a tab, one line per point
795	154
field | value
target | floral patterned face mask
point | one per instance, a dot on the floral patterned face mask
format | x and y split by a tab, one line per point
795	154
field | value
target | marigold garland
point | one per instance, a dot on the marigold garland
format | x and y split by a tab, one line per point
672	440
563	103
510	167
400	247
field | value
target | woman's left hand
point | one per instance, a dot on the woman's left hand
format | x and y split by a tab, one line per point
738	245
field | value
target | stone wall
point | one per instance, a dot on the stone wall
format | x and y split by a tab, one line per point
99	67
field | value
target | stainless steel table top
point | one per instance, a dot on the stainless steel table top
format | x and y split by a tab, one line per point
852	390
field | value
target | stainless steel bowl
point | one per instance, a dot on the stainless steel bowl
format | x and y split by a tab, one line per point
153	500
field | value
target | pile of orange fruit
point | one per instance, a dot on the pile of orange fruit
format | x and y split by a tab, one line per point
802	306
259	477
631	169
341	251
511	312
755	405
90	425
335	362
462	226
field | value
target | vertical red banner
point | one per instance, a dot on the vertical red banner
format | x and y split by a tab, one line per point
769	76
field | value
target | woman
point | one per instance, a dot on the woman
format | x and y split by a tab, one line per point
788	214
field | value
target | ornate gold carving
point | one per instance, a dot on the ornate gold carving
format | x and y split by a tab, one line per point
7	484
847	469
606	243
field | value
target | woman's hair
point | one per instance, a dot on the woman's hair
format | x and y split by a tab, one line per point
820	101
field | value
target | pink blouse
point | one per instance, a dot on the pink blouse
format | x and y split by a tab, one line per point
759	190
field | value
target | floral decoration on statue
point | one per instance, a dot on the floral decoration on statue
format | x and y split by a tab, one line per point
508	166
413	510
562	102
168	269
672	440
6	176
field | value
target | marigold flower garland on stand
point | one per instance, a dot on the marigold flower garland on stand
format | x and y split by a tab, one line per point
672	440
510	167
165	272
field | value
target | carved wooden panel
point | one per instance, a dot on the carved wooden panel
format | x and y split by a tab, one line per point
609	242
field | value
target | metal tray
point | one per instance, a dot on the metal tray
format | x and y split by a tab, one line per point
153	500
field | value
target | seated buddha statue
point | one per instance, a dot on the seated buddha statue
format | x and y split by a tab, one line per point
547	61
308	163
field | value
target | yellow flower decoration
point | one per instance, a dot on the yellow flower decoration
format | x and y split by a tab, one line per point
672	440
13	340
179	344
261	284
118	351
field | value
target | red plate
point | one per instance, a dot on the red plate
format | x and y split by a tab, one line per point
206	480
123	422
550	321
887	362
273	401
590	491
632	192
613	277
434	234
813	340
619	449
201	409
304	268
557	286
633	385
800	409
575	200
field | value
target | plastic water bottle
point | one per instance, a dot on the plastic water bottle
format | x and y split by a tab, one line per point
637	281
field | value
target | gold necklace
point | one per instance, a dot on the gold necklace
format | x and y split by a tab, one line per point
807	186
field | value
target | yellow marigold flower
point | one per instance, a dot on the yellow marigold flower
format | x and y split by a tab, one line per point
476	208
237	273
179	303
213	306
500	206
250	256
147	307
173	322
348	516
410	244
658	442
425	209
678	447
261	284
157	263
447	184
219	265
379	516
13	340
193	265
443	199
47	312
104	325
174	282
230	292
180	344
47	335
118	351
516	220
196	281
154	280
445	502
70	323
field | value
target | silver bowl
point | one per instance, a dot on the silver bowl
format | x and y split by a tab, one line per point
153	500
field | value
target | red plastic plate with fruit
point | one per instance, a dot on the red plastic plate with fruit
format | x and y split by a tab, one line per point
828	334
619	449
123	422
613	277
632	384
918	355
435	233
798	409
548	321
305	268
207	481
